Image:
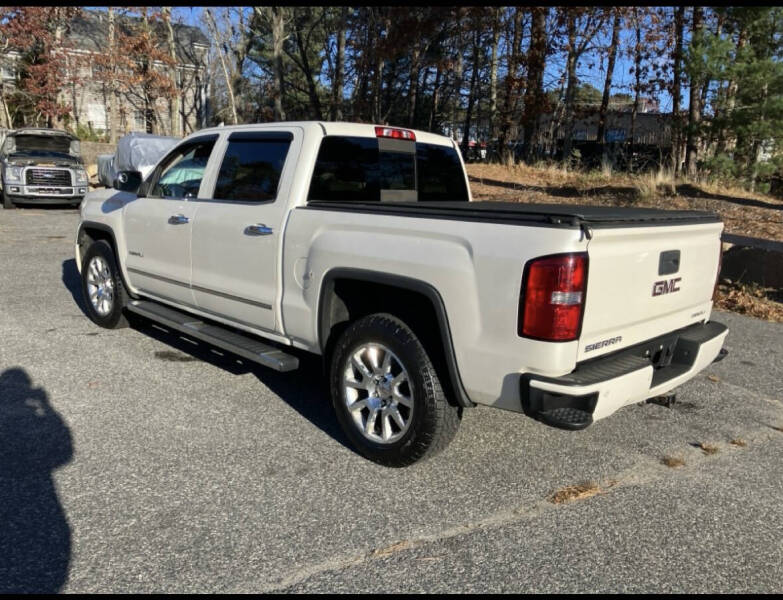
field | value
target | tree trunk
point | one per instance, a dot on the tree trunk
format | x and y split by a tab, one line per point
512	86
731	97
472	91
435	97
601	138
413	81
458	72
493	75
312	90
278	36
570	94
6	115
679	26
694	108
211	24
176	126
637	84
113	111
339	67
534	91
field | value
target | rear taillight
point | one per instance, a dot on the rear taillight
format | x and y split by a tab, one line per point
552	299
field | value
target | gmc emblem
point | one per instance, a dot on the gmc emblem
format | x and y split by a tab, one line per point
667	286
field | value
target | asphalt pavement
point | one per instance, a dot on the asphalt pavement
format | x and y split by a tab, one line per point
136	460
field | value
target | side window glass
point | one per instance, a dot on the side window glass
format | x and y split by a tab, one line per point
181	173
251	168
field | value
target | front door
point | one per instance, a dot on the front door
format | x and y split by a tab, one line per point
237	237
159	224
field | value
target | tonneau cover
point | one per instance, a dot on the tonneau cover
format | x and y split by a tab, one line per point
573	215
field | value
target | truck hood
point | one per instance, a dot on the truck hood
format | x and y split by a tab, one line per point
26	147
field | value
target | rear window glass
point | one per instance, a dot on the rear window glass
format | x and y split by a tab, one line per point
346	170
251	169
353	169
440	175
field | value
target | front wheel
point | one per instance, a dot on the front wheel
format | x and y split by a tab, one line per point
102	287
387	395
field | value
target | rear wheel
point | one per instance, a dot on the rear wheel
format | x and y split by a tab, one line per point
387	395
102	287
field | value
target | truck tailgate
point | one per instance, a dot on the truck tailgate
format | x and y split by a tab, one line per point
646	281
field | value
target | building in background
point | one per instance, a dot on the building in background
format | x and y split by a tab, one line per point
88	94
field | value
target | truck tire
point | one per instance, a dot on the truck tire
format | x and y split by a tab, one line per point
7	202
102	287
387	395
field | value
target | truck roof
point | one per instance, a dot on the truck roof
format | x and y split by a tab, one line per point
335	128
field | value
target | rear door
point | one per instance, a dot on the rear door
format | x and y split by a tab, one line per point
158	225
647	281
237	232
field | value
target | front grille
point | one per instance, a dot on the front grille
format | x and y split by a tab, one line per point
48	177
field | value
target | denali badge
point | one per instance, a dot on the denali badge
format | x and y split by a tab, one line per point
667	286
609	342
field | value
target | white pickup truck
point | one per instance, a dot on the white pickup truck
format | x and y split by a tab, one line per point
361	243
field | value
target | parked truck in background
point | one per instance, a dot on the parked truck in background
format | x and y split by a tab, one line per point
41	166
361	244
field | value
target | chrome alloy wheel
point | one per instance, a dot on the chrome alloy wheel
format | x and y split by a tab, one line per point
100	286
378	393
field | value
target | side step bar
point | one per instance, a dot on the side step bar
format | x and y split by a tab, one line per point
238	343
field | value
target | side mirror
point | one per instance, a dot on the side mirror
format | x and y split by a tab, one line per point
127	181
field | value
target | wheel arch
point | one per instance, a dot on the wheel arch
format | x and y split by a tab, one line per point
349	293
89	232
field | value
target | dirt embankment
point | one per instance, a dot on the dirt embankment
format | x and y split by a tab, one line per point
744	213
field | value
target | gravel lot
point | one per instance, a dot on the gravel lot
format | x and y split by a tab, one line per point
136	461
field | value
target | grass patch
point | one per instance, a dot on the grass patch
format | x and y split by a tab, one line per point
673	461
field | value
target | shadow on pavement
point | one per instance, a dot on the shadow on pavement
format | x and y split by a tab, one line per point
35	538
73	282
304	390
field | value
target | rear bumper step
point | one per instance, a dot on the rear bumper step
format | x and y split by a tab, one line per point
598	388
243	345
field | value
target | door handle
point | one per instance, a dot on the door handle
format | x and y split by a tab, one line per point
178	219
258	229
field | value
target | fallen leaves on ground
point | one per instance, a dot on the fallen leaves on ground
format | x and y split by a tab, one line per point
708	448
751	300
580	491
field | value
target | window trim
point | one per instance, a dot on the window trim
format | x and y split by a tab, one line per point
154	177
250	136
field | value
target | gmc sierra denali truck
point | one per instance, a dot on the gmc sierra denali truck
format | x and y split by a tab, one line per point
361	243
41	166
